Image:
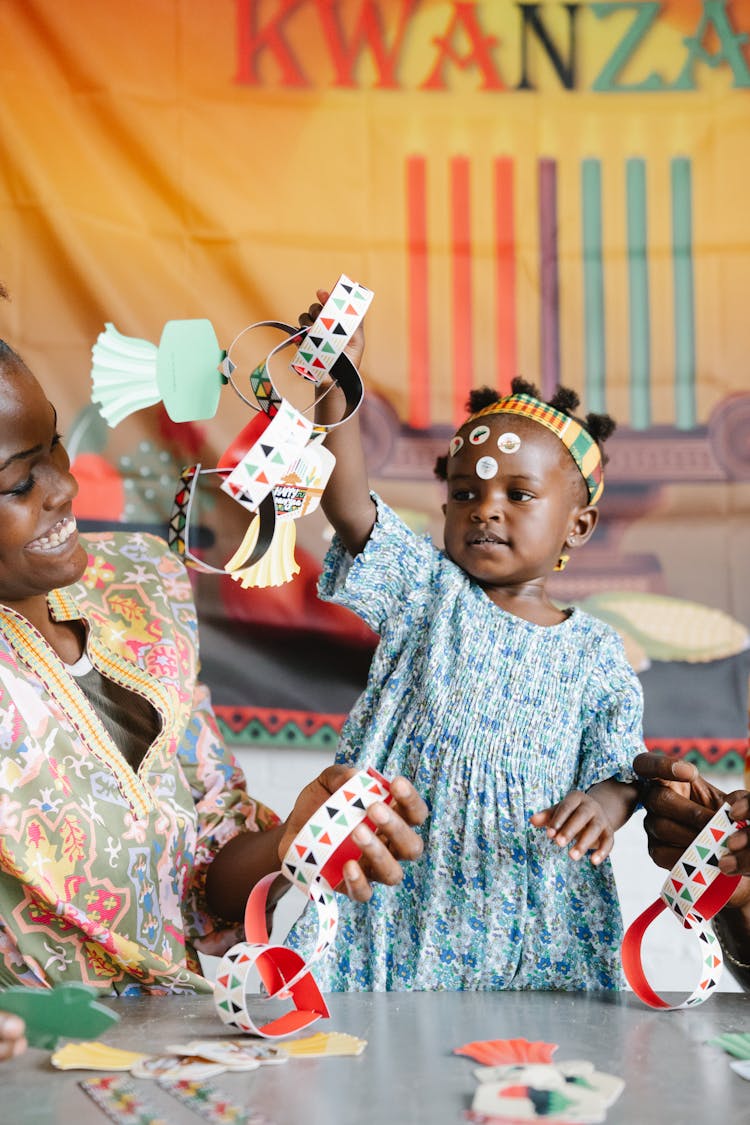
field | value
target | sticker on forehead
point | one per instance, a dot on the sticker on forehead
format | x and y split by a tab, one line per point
479	435
486	468
509	442
456	444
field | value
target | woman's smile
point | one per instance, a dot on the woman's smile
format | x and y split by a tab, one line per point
57	537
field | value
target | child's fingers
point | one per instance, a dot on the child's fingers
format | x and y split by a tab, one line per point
565	820
596	837
539	819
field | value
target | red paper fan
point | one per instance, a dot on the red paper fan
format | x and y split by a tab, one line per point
500	1052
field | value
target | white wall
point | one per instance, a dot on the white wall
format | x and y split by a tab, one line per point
671	960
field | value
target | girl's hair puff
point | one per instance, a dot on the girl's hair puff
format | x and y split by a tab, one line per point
598	426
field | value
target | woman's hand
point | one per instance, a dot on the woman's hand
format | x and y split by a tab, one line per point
679	803
393	842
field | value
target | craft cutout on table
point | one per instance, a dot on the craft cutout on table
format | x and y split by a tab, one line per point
498	1052
93	1056
313	864
67	1011
174	1067
119	1100
235	1054
183	372
736	1043
695	890
325	1044
573	1092
211	1104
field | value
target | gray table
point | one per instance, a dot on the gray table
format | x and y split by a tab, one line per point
408	1074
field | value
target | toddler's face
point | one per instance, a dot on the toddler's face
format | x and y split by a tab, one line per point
513	496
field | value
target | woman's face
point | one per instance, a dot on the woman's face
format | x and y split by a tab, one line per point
39	546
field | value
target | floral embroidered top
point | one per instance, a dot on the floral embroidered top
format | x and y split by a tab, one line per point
102	869
492	718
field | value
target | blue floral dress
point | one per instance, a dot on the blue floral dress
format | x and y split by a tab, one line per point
493	718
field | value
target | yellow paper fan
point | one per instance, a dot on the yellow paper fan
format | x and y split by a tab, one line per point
277	566
325	1043
93	1056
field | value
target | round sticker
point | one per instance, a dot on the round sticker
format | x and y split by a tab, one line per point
486	468
509	442
456	444
479	435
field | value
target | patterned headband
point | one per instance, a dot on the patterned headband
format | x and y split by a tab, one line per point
583	449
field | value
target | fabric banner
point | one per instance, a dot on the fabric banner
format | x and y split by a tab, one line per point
550	189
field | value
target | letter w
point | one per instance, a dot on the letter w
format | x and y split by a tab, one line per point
368	31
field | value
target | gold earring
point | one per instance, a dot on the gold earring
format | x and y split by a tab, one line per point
562	562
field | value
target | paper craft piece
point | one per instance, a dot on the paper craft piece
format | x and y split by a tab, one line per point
314	864
235	1054
735	1043
210	1104
741	1067
180	529
694	891
93	1056
183	372
335	325
496	1052
564	1092
67	1011
297	494
176	1067
324	1045
269	458
117	1098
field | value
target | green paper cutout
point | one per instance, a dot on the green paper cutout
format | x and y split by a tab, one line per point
187	370
67	1011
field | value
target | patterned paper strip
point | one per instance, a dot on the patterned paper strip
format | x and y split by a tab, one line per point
335	325
694	891
314	864
210	1104
269	459
117	1098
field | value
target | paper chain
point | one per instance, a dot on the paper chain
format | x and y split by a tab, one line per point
277	473
694	891
314	864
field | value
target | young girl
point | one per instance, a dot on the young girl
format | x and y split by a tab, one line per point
517	721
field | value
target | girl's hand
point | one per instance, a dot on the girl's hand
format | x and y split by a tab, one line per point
581	821
383	851
356	345
12	1036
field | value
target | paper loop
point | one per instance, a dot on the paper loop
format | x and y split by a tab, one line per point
267	396
695	890
313	864
180	522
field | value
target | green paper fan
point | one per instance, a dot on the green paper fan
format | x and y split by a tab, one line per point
129	374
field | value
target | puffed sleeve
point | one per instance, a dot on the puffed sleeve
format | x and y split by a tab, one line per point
223	809
395	565
612	717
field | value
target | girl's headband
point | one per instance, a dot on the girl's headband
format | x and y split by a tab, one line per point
583	449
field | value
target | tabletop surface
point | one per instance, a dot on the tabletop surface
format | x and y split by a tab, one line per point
408	1072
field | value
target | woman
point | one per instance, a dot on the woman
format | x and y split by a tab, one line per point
127	839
